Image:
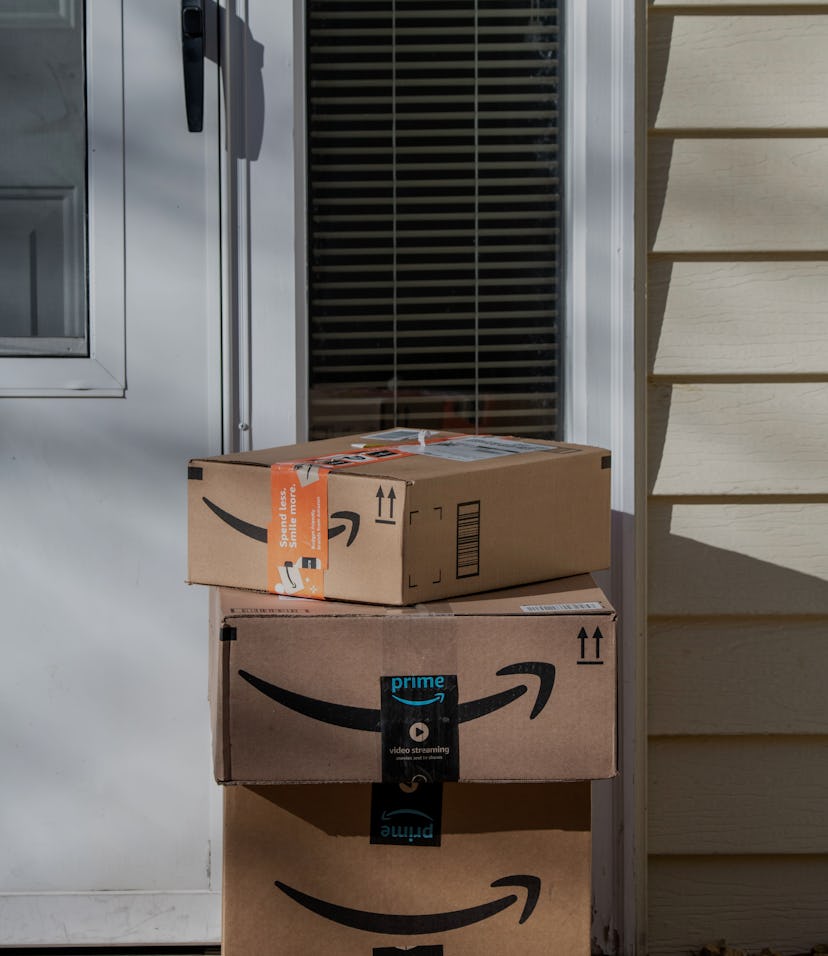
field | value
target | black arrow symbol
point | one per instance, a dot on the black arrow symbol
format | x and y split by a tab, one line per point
391	499
417	925
365	718
380	497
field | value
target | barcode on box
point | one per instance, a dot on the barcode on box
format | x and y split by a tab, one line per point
468	539
560	608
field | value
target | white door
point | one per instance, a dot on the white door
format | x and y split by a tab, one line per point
109	818
108	813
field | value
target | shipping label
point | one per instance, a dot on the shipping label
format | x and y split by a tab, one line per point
562	608
483	447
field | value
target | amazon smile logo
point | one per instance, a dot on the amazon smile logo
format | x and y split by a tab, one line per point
426	923
370	719
350	524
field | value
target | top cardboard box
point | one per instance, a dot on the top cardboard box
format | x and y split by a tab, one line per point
390	519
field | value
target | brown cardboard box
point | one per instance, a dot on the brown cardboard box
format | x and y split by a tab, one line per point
398	523
508	685
512	874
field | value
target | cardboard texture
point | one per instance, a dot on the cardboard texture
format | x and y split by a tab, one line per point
402	524
512	874
320	691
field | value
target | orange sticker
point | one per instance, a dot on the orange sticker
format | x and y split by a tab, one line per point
297	536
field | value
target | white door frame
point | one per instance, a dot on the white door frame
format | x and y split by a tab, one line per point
604	366
264	323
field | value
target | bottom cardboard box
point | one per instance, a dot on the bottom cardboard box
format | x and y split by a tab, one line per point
362	870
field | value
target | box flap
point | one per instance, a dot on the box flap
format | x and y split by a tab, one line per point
576	595
445	453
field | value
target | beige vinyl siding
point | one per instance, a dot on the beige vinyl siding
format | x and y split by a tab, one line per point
761	438
726	59
725	196
758	319
738	795
750	898
738	475
688	6
716	557
734	676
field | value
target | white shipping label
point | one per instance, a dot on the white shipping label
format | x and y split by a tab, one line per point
561	608
480	447
394	435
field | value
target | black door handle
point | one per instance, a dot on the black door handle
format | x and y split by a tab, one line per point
192	57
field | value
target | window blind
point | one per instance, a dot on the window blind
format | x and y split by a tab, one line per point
433	215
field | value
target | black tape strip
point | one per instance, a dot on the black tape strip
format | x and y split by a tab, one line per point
417	951
403	815
419	727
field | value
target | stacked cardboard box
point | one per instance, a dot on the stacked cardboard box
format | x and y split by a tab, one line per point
407	712
304	875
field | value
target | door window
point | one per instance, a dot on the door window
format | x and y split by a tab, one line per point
61	199
43	179
433	215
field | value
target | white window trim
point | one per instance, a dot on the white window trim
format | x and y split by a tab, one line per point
103	373
604	376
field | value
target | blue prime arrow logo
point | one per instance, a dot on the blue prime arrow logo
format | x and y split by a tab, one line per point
390	814
436	699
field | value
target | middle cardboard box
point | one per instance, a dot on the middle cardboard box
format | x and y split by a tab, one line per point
511	685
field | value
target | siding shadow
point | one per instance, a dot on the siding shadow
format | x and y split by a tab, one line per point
660	148
659	40
245	127
343	809
658	289
692	578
